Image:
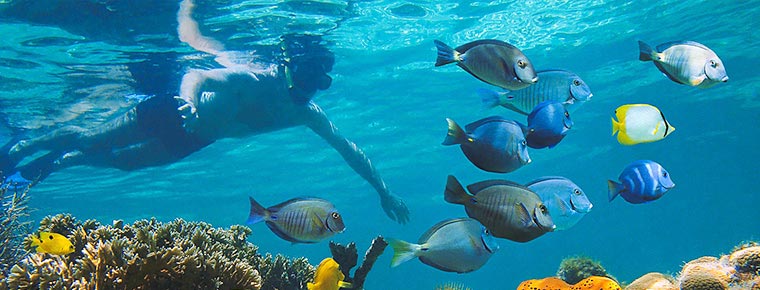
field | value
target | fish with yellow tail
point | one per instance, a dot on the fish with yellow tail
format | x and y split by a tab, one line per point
328	277
640	123
52	243
299	220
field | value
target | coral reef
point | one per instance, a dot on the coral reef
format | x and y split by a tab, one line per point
653	280
346	256
705	273
554	283
14	226
746	258
574	269
153	255
452	286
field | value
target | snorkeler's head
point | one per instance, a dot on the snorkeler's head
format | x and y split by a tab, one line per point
308	62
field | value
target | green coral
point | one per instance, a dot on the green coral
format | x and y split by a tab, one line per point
153	255
14	225
574	269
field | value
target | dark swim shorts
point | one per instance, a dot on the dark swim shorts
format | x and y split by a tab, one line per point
159	118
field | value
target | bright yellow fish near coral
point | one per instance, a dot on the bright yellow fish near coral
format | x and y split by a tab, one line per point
640	123
328	277
52	243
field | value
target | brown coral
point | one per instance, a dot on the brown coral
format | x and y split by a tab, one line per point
746	259
653	280
705	273
153	255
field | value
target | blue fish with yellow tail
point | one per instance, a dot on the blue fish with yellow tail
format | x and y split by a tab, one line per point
566	201
640	182
548	124
328	277
299	220
493	144
52	243
459	245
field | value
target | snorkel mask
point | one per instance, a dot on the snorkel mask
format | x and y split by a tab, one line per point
306	63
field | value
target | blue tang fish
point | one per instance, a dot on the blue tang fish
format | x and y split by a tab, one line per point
686	62
548	123
641	181
492	61
458	245
493	144
566	201
558	85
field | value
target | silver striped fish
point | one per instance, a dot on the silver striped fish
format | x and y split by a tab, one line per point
686	62
556	85
299	220
507	209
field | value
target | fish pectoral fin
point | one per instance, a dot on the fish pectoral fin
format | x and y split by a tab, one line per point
696	81
523	214
563	207
343	284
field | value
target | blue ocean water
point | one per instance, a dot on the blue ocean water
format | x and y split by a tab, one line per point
65	63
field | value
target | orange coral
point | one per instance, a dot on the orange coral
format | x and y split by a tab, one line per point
554	283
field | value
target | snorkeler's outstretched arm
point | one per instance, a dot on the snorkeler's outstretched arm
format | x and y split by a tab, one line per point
393	206
188	31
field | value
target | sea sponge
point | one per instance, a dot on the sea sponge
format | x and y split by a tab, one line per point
746	258
596	283
153	255
705	273
653	280
574	269
552	283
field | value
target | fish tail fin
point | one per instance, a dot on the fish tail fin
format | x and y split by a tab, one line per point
446	54
455	134
258	212
491	98
403	251
615	126
454	192
613	189
645	51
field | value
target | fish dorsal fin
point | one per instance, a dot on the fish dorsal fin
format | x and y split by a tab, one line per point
474	125
277	207
545	178
664	46
554	70
479	186
424	238
522	213
465	47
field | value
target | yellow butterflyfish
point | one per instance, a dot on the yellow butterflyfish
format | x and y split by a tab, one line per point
640	123
328	277
52	243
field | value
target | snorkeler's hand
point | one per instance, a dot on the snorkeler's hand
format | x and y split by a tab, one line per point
189	114
395	208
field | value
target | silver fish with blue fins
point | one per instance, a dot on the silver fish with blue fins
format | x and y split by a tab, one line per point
299	220
556	84
686	62
458	245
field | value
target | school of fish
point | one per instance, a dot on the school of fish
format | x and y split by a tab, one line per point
504	209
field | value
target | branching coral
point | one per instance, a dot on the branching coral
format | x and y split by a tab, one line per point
153	255
346	256
14	225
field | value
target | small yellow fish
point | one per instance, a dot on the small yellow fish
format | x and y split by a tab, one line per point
52	243
640	123
328	277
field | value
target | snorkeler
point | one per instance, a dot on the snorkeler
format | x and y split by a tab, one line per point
238	100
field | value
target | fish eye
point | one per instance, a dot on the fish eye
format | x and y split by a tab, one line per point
577	191
486	231
50	236
335	215
543	209
713	63
524	142
576	82
664	174
567	114
521	63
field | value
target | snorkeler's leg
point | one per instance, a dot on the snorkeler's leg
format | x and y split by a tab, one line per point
393	206
33	172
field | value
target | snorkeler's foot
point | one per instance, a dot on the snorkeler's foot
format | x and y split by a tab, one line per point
395	208
16	182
